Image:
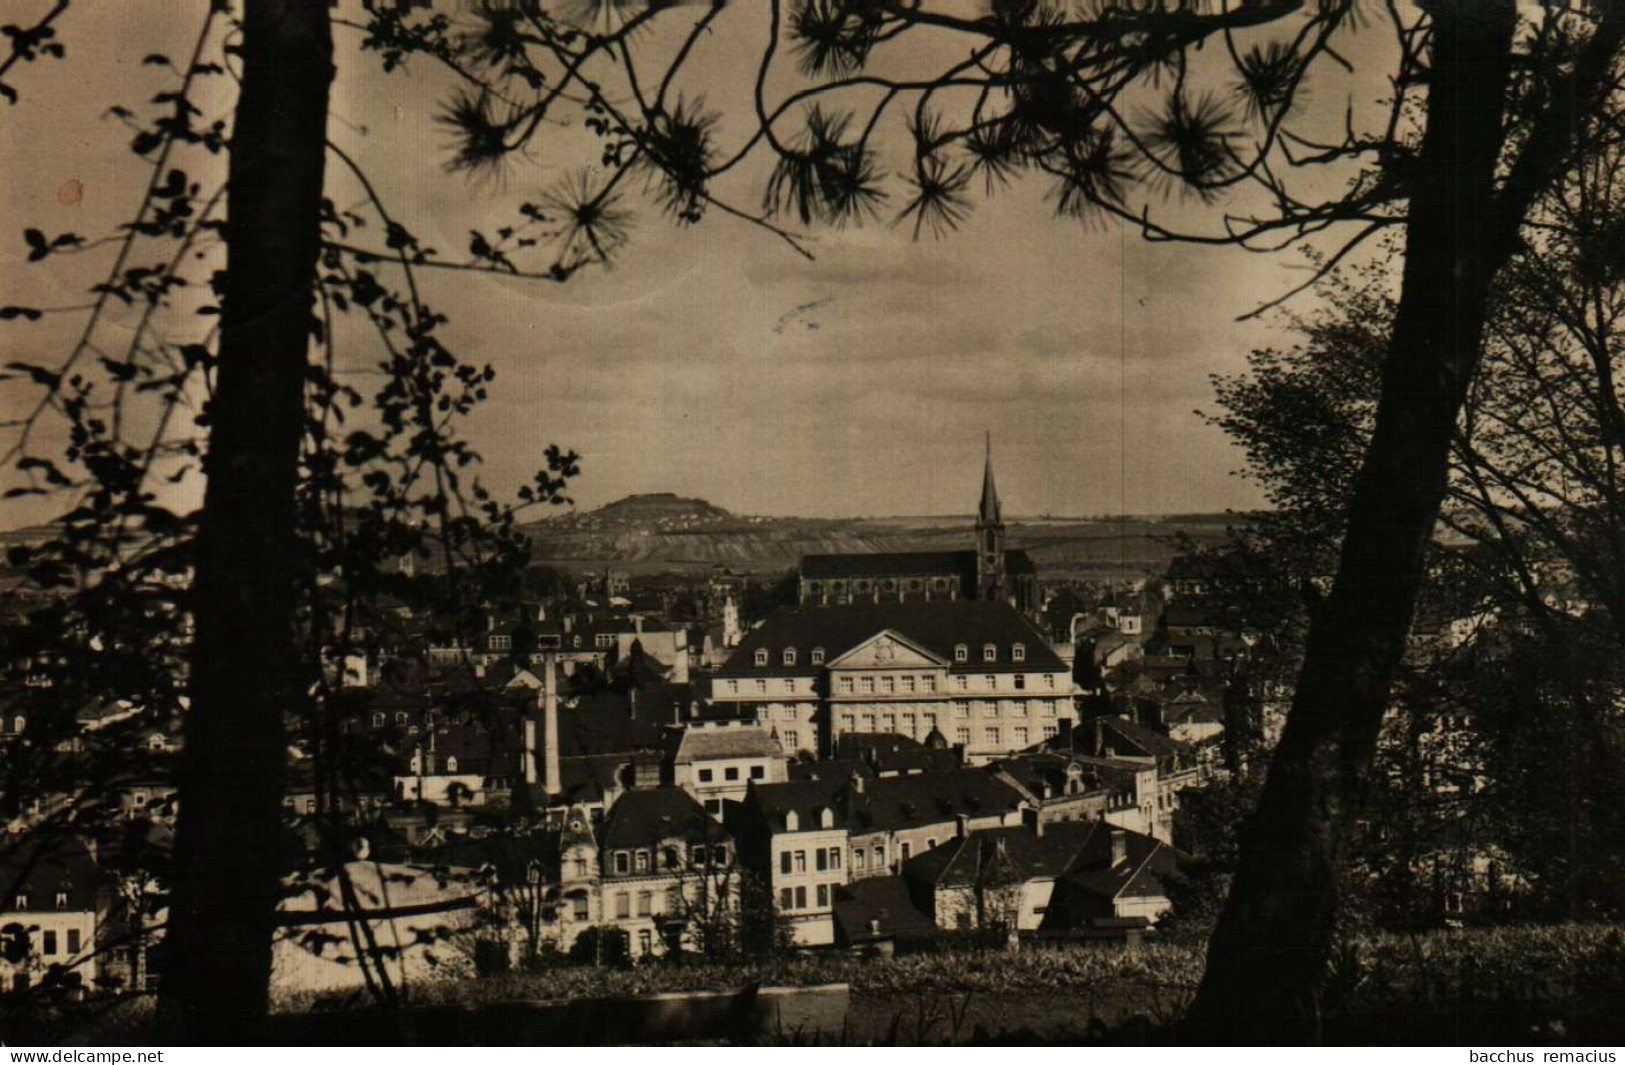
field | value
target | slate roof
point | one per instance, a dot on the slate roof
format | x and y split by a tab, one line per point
888	752
891	803
607	722
829	769
645	816
1136	737
705	744
42	866
1033	769
1026	855
1140	874
889	564
882	898
937	627
806	797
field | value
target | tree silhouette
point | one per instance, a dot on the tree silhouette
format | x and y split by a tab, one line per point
232	619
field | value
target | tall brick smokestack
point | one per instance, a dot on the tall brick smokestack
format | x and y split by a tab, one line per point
550	727
547	700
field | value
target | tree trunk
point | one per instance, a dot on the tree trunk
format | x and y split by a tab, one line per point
245	668
1268	953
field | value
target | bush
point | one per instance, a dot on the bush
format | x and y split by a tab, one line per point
602	945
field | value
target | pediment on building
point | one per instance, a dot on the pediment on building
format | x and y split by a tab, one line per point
888	650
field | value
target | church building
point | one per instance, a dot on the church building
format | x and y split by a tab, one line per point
987	572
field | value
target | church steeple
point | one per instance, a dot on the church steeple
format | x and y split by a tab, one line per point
990	577
989	514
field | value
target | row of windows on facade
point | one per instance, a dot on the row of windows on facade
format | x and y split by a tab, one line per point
669	858
795	898
600	641
990	653
731	772
906	684
887	584
49	943
23	899
824	859
828	859
890	722
651	905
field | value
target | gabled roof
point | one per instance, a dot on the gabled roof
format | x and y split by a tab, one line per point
705	744
645	816
889	640
1122	738
806	798
41	866
615	722
1145	861
937	627
1012	854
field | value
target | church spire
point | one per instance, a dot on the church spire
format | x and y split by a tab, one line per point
989	513
990	575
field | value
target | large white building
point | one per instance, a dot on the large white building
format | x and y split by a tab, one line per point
48	915
972	673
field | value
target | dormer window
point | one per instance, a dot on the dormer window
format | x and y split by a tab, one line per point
22	901
792	823
826	818
817	657
451	763
1018	652
761	657
961	653
61	900
789	656
990	652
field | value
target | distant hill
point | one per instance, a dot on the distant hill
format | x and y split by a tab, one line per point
658	509
662	531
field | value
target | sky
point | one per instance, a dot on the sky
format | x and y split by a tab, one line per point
713	361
